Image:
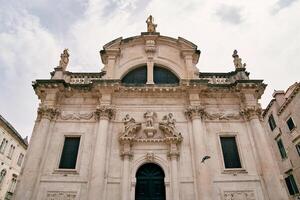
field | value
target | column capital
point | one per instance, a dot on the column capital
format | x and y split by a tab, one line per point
251	112
193	112
48	112
105	112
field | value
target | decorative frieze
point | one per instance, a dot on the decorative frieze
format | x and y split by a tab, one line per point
105	111
57	195
227	115
76	115
48	112
239	195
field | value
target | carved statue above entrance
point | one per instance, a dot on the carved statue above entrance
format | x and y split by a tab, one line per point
167	134
150	129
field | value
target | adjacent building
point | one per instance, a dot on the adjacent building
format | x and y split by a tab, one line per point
12	151
282	121
150	126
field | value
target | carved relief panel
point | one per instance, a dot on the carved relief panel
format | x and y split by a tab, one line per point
55	195
239	195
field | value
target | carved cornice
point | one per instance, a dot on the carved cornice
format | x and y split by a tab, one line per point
194	111
251	112
47	112
105	112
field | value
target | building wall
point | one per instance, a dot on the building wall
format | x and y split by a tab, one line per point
281	111
9	164
111	151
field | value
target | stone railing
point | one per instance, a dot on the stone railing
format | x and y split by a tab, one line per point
84	78
224	78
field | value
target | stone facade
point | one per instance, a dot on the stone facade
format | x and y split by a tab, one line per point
12	151
175	126
284	108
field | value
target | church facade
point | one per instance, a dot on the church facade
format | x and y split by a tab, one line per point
149	126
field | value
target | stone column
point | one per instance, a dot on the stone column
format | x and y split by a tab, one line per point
269	168
150	66
150	48
126	154
34	154
203	176
97	181
174	170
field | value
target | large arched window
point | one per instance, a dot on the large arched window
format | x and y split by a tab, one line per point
164	76
136	76
161	75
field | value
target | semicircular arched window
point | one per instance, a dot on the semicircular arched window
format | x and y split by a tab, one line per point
160	76
164	76
136	76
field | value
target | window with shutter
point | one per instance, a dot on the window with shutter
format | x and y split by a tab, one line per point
272	123
230	152
281	149
290	124
291	185
69	154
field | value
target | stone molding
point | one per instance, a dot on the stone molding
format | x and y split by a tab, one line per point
105	112
48	112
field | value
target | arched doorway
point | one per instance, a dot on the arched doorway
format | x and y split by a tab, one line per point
150	183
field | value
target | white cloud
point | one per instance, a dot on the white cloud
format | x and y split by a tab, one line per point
30	42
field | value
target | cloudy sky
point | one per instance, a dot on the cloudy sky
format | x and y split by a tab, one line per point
33	33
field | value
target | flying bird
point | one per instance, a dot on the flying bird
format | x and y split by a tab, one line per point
205	158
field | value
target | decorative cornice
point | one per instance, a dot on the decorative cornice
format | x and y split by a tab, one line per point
47	112
105	112
194	111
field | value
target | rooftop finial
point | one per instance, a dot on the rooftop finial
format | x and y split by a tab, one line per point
237	60
150	25
64	59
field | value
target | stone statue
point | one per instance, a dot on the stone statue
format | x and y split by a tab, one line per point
150	25
128	121
237	60
64	60
169	120
149	116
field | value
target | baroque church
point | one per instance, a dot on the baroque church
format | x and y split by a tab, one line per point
149	126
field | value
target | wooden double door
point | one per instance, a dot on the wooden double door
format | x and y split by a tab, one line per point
150	183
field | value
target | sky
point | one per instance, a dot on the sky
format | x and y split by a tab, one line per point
33	34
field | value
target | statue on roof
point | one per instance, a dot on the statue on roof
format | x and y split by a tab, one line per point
150	25
237	60
64	60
